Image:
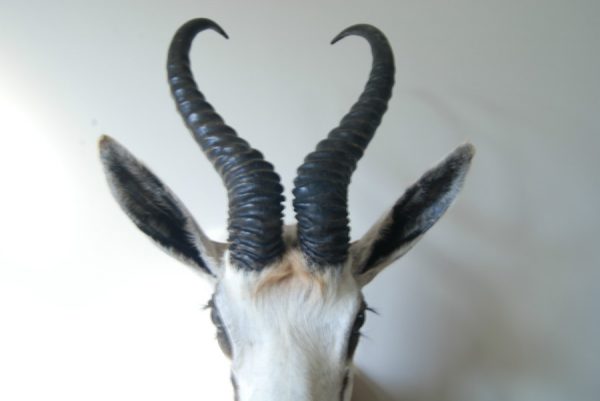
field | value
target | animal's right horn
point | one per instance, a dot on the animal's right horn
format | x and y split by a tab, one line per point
254	189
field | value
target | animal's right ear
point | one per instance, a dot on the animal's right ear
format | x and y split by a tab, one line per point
156	210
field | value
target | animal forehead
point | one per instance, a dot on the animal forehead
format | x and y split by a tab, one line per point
288	290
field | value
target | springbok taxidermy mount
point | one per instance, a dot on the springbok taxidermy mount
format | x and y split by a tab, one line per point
287	302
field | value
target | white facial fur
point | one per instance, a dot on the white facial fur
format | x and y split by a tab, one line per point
288	327
289	338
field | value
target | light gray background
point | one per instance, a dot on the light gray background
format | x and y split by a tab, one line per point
498	302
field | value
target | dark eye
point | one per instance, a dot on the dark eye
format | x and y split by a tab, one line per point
222	337
355	331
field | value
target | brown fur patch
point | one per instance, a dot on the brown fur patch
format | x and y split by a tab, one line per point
291	271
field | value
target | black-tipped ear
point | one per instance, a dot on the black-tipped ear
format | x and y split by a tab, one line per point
413	214
156	210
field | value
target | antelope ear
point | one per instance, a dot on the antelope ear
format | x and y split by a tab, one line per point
413	214
156	210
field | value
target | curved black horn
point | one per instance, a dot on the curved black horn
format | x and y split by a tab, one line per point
321	186
254	189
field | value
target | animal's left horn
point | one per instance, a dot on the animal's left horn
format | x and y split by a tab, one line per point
321	186
253	187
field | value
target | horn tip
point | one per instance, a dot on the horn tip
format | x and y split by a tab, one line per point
200	24
340	36
216	27
358	29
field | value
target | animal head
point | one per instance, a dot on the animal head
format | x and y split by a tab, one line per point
287	302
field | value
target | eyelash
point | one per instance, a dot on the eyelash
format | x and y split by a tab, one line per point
222	337
355	332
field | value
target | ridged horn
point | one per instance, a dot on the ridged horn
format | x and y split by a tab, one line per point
321	186
253	188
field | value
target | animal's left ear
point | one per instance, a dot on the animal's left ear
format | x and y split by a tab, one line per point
413	214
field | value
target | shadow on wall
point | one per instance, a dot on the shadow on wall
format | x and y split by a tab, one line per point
470	353
473	337
366	390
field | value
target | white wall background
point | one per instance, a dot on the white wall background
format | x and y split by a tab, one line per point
500	300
